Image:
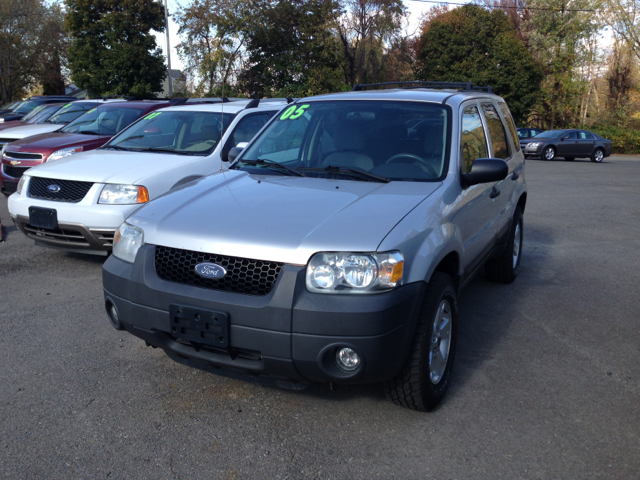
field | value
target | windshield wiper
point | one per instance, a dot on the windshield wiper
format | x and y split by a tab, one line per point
89	132
348	171
169	150
271	164
116	147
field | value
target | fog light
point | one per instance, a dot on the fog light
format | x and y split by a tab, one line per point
112	313
347	359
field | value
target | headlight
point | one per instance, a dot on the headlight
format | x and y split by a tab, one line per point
3	149
346	272
534	144
65	152
23	179
127	241
124	194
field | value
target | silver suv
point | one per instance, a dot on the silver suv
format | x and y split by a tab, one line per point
335	247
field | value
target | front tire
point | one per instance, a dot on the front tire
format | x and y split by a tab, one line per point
424	379
549	153
597	155
505	268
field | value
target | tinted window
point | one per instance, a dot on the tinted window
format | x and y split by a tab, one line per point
473	144
184	132
397	140
510	124
104	120
27	106
571	136
44	113
496	131
247	128
550	134
587	136
70	112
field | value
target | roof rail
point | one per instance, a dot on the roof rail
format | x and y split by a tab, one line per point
464	86
253	103
178	101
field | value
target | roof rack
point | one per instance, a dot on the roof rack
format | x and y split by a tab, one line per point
464	86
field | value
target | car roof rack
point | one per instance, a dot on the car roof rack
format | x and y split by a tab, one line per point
464	86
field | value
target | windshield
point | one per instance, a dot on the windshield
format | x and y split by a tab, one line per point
550	134
183	132
26	107
332	139
104	120
33	113
70	112
42	114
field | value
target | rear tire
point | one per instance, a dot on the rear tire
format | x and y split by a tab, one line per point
505	268
597	155
424	379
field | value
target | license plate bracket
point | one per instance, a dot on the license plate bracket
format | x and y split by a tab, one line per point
43	218
199	325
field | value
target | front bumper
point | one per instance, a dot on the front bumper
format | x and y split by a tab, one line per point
287	335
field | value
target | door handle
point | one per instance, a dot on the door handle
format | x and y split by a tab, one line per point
515	176
494	192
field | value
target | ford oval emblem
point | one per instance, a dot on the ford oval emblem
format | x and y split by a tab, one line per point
54	188
210	270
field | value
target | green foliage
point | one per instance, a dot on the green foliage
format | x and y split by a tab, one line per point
625	140
473	44
112	51
558	42
291	49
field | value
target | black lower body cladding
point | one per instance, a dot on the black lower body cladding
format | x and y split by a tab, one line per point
289	334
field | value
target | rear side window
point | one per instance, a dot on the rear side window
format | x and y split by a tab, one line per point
571	136
513	131
587	136
496	131
473	141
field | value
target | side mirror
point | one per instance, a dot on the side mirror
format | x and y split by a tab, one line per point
233	153
485	170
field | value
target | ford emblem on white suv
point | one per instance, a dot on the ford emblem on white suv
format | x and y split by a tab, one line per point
210	270
54	188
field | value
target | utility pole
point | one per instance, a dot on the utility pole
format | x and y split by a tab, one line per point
166	27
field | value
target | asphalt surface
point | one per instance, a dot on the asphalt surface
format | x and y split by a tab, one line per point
546	381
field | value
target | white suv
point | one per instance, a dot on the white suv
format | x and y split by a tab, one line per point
77	203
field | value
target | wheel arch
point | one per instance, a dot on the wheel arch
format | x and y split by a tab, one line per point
522	201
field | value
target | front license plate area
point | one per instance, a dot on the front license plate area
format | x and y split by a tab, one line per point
206	327
43	218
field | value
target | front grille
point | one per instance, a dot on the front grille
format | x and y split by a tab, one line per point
13	172
73	237
70	191
250	277
23	156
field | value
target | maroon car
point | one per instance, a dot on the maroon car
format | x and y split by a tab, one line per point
89	131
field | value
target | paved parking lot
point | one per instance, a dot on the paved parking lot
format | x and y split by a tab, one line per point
546	382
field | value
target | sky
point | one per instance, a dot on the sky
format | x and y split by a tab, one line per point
415	9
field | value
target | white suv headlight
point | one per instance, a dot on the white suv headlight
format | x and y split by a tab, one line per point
346	272
124	194
21	182
65	152
127	241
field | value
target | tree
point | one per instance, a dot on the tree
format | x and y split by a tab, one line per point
473	44
290	47
624	17
213	43
112	50
18	37
365	28
52	45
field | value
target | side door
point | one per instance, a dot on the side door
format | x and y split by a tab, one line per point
244	131
503	191
587	143
569	145
477	214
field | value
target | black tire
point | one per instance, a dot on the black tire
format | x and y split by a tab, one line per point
414	388
549	153
597	155
505	268
569	159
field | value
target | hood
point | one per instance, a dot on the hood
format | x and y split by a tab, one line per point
283	219
108	166
29	130
53	141
12	124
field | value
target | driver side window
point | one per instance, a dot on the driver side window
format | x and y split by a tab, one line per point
473	142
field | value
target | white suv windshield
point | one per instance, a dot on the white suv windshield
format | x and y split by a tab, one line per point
394	140
104	120
182	132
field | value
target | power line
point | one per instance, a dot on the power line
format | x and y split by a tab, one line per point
508	7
